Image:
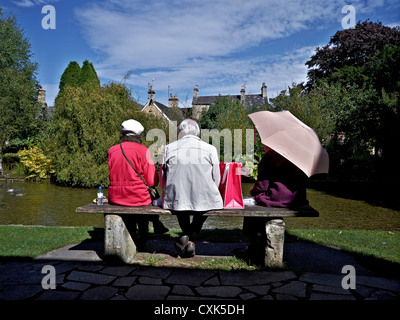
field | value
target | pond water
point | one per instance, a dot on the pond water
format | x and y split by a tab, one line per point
30	203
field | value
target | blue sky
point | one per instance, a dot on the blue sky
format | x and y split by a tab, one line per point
219	45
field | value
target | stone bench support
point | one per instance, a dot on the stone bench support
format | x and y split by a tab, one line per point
120	245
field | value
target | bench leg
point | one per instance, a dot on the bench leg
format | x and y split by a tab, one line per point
118	242
275	232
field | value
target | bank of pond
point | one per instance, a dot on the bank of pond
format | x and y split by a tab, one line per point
44	203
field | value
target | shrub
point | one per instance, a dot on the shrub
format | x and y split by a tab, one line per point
36	164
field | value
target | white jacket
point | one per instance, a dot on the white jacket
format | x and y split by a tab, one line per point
190	176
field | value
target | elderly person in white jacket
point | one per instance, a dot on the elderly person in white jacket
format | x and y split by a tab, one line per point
189	177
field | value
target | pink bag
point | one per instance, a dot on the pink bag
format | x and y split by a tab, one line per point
230	186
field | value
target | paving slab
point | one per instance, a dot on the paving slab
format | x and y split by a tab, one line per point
314	276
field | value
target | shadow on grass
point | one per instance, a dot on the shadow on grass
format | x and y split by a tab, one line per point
304	255
299	255
377	193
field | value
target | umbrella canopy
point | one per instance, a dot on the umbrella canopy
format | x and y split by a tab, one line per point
291	138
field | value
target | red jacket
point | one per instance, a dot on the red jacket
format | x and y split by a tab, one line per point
126	188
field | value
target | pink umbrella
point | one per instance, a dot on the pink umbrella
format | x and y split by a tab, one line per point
291	138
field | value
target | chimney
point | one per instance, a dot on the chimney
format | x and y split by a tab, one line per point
195	92
151	93
264	90
173	101
41	95
242	94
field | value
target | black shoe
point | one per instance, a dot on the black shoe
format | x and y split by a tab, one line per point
182	243
159	228
190	250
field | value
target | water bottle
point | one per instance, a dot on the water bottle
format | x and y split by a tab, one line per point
99	197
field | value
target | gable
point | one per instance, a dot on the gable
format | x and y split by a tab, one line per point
161	110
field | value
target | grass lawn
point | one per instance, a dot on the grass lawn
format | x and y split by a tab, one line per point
378	244
32	241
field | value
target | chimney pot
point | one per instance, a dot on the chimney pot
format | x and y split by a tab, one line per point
264	90
242	93
151	93
173	101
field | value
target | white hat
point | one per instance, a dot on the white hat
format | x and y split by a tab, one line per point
132	127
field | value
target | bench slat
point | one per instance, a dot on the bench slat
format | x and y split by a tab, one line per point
248	211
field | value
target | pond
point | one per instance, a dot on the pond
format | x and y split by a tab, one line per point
30	203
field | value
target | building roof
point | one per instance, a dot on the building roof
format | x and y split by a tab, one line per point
171	114
249	101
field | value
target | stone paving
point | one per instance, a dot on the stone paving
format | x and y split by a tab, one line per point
84	276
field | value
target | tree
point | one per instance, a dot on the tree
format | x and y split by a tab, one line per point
350	47
70	75
85	125
230	121
361	66
75	76
88	75
317	108
18	85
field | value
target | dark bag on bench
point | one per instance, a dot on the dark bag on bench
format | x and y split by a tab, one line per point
152	190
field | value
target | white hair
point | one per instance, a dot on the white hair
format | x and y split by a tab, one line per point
188	126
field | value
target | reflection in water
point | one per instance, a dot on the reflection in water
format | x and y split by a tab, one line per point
30	203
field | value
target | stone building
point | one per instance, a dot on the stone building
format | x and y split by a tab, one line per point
170	113
200	103
41	96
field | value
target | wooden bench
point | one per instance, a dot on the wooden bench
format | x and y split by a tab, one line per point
118	242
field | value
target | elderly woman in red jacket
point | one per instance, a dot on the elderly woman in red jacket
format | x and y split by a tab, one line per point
126	188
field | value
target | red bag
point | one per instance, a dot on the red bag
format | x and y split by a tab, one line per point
230	186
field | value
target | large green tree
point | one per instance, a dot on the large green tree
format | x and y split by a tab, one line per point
350	47
70	76
75	76
19	108
86	123
88	75
362	66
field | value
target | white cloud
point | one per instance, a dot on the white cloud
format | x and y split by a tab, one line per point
212	43
32	3
168	34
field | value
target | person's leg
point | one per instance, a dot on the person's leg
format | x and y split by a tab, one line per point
143	226
197	222
158	226
184	223
130	223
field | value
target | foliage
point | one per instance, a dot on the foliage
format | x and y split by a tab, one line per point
75	76
313	108
19	109
350	47
37	165
360	68
87	75
85	125
229	117
70	75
